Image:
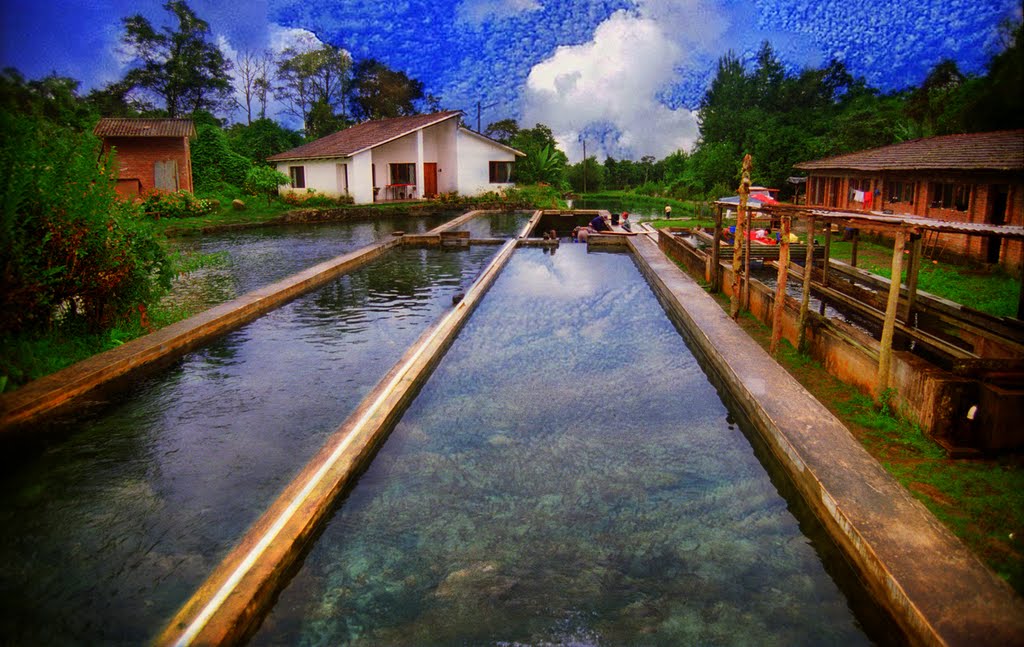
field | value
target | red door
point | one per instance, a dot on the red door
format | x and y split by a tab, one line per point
429	179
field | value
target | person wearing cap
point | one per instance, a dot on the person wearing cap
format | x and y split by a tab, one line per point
624	223
668	211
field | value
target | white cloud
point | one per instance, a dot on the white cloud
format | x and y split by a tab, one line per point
476	12
281	38
614	80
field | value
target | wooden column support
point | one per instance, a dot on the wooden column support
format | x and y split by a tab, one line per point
805	297
889	325
780	289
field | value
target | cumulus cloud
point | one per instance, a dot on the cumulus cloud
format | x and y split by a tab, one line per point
476	12
615	81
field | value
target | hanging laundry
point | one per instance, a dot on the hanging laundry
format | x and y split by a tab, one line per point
868	198
858	196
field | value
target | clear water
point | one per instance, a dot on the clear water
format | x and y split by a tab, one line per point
496	225
106	534
261	256
567	476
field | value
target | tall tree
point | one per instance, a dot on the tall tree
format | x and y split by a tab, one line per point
313	83
503	130
378	92
253	78
179	64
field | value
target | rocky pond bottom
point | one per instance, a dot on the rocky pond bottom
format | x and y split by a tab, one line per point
568	475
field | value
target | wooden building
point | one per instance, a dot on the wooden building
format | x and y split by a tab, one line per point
976	178
151	154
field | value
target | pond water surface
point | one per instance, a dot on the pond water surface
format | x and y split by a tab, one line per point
107	533
568	475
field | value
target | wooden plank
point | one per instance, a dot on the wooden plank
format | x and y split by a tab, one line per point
805	297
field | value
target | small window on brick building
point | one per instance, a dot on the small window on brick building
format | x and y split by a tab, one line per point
946	195
298	175
900	191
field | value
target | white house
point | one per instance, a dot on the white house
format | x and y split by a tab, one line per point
399	159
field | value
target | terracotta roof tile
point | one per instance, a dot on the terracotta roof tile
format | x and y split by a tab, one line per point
125	127
362	136
1001	150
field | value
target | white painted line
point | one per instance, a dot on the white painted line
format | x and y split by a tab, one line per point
254	554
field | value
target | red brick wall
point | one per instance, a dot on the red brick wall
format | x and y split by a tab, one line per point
135	157
1011	253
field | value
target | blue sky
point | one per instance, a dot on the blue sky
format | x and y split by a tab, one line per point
626	74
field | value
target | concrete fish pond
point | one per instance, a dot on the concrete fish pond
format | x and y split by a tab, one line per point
563	446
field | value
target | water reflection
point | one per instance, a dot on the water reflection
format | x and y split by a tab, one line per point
107	533
567	476
258	257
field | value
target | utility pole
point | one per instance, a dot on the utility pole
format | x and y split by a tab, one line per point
478	110
584	165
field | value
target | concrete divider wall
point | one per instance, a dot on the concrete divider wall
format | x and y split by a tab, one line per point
934	587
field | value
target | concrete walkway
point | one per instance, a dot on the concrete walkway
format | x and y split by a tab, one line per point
934	587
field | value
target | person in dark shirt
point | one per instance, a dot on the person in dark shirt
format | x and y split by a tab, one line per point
599	224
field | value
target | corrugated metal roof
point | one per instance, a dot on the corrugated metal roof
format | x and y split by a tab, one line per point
996	151
896	220
126	127
360	137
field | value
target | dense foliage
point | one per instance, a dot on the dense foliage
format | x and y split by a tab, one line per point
213	161
69	250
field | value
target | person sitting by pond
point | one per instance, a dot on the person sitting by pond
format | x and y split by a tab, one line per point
625	222
582	233
600	225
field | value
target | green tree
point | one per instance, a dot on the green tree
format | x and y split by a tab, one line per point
544	162
378	92
503	130
263	180
313	84
179	65
53	98
590	169
261	139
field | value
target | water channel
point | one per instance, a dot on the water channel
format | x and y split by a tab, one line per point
107	533
568	475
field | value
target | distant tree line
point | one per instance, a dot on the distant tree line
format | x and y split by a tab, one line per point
782	118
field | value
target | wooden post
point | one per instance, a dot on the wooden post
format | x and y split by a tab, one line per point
716	271
780	289
737	246
853	253
746	262
889	325
913	267
824	266
805	298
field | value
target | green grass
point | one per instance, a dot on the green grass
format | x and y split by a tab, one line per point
990	291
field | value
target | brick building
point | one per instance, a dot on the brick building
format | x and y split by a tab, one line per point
151	154
975	177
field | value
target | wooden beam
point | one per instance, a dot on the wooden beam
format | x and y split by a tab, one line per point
824	267
780	288
853	253
889	324
913	267
746	262
805	298
716	271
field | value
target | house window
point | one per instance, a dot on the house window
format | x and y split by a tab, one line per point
500	172
900	191
298	175
946	195
403	174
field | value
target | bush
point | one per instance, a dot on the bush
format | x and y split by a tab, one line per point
312	199
70	250
213	161
179	204
263	180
